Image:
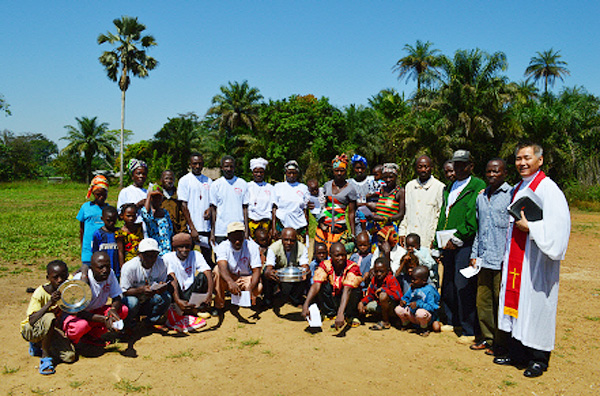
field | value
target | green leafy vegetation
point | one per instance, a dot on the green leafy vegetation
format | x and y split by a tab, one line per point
10	370
130	387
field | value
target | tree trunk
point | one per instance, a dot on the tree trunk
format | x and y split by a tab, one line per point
122	137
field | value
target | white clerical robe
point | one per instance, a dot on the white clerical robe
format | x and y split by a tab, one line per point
546	246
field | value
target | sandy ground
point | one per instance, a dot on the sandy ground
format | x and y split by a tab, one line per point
274	355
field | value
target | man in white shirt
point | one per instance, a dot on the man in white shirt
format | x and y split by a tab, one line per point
144	285
286	252
194	191
188	273
238	265
423	200
531	267
228	201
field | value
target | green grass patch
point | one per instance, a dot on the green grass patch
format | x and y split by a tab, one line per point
182	354
506	384
251	342
75	384
130	386
593	318
10	370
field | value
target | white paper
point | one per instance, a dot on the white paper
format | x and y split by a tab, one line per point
118	325
156	286
470	271
198	298
314	316
444	236
242	300
315	200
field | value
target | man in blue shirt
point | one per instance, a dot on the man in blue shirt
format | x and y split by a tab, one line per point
488	246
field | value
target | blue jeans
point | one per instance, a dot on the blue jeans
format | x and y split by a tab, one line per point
153	308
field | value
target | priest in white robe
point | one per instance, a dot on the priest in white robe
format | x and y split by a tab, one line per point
530	273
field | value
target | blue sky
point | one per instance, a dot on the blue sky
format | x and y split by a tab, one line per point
343	50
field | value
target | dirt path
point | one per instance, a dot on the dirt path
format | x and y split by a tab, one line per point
275	356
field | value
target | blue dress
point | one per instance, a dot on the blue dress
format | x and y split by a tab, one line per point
160	229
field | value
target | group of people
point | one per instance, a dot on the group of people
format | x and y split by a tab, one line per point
375	254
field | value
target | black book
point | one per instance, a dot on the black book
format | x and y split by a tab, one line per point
532	210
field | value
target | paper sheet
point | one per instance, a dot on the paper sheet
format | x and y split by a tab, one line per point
118	325
314	316
470	271
366	211
198	298
242	300
443	237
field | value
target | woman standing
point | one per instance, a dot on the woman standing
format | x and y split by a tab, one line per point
260	202
389	209
290	199
135	193
340	195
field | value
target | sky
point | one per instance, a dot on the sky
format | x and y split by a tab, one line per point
343	50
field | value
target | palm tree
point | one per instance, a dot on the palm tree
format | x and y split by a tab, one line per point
89	138
547	66
236	106
127	59
419	63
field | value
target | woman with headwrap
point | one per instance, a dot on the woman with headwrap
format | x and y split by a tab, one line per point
389	209
90	215
135	193
366	188
260	206
340	196
290	199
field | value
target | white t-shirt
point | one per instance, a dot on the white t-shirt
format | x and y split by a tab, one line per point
101	291
134	275
291	200
260	201
228	196
396	255
195	190
240	262
131	194
455	191
185	271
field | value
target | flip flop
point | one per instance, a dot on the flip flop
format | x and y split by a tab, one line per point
34	350
380	326
46	366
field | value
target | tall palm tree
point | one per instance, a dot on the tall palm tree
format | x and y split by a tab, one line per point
420	61
236	106
547	66
89	138
126	58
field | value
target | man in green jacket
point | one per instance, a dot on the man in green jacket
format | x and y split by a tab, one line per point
458	213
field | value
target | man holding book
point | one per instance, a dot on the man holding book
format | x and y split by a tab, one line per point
531	266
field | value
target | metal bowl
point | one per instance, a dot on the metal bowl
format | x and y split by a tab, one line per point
75	296
291	274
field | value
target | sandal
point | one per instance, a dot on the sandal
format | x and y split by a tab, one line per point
34	349
380	326
46	366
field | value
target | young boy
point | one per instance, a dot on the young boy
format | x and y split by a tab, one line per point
363	255
316	198
413	245
319	255
98	318
383	294
104	239
262	238
404	273
41	328
420	303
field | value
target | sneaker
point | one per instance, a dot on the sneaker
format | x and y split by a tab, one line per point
195	322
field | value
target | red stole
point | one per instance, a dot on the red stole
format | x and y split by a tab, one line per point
518	241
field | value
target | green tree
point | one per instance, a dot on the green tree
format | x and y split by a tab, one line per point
126	59
89	139
177	139
547	66
4	106
236	106
25	156
420	62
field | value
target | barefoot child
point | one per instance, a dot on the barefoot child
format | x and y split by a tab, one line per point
42	325
383	295
157	220
413	245
104	239
263	239
404	274
98	318
129	236
90	216
363	255
420	303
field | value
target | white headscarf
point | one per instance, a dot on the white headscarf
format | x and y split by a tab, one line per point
258	163
390	167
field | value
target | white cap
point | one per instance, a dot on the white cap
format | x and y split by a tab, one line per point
148	245
235	226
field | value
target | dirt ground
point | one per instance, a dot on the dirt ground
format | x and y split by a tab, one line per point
274	355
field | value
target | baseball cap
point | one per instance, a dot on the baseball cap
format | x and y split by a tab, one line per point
461	156
235	226
148	245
